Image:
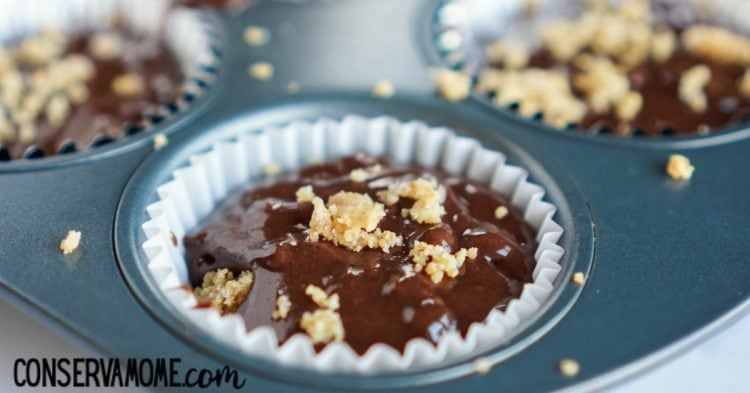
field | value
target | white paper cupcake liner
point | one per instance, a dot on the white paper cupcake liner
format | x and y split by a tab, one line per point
199	186
184	31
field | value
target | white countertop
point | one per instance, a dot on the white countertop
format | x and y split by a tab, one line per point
717	365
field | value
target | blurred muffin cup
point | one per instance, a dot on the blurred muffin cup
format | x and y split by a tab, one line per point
156	57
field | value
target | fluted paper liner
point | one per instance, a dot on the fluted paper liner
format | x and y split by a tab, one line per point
199	186
183	30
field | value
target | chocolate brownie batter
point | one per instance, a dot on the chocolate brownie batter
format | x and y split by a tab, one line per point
383	300
105	112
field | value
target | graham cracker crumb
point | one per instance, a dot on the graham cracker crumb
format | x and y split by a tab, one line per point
569	368
105	46
283	305
223	291
128	85
321	298
454	86
322	326
272	169
427	209
437	261
629	106
663	45
501	212
160	140
261	71
71	242
512	55
602	83
744	84
350	220
383	89
692	83
679	167
58	109
305	194
363	174
578	278
256	35
78	93
717	44
482	365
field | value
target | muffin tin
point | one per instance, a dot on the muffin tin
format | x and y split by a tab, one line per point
664	261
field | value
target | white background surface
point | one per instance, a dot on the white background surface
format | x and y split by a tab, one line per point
717	365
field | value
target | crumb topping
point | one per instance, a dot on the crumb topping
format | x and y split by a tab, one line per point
383	89
261	70
350	219
692	85
744	84
70	243
437	261
56	82
283	305
105	46
601	82
305	194
501	212
679	167
512	55
628	107
717	43
363	174
128	85
222	291
428	208
324	324
321	298
452	85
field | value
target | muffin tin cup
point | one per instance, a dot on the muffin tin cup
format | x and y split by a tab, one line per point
184	30
461	29
197	188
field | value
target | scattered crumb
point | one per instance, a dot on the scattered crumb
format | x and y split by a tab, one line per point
363	174
71	242
105	46
428	208
58	109
272	169
256	35
383	89
679	168
452	85
629	106
501	212
437	261
282	307
322	326
160	140
569	368
261	71
223	291
602	83
512	55
350	220
663	45
717	44
293	87
321	298
692	83
482	365
128	85
578	278
305	194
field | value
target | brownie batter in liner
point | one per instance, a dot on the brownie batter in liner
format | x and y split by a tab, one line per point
198	188
179	29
